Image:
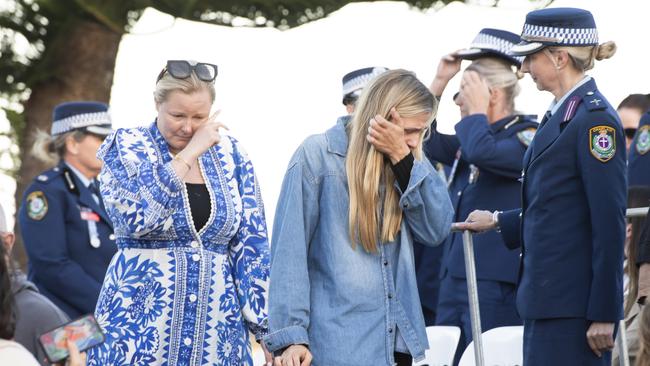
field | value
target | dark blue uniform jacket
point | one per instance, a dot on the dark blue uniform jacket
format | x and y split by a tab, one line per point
486	177
63	263
572	223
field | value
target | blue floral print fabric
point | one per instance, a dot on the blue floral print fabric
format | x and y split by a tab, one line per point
173	295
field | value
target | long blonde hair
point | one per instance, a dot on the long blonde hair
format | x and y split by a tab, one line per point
375	214
637	196
643	357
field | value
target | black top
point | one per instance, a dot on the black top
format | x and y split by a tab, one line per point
199	198
402	171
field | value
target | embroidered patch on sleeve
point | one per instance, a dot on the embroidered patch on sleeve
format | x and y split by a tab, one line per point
643	140
36	205
602	142
526	136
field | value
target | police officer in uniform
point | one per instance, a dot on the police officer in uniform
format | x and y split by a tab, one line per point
571	227
485	157
354	82
67	233
639	158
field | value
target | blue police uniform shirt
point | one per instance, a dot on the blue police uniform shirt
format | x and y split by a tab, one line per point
486	166
571	226
84	182
639	158
68	238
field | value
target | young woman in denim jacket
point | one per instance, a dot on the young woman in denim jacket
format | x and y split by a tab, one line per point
343	289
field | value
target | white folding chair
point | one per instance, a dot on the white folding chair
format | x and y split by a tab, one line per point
443	341
502	346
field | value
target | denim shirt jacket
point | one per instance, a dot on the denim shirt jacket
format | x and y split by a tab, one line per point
348	306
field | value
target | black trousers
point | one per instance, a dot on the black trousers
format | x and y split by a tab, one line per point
402	359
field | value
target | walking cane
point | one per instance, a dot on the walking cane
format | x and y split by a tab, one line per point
472	292
621	340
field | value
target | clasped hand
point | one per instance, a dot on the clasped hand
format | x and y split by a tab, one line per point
294	355
388	137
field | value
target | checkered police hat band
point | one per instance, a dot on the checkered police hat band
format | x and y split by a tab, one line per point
490	42
360	81
560	36
80	121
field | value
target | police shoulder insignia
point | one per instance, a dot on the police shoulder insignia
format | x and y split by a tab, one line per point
36	205
594	101
602	142
643	140
526	136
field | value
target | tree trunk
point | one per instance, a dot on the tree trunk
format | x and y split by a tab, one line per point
82	66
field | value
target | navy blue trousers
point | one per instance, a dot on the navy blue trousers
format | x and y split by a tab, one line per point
496	303
560	342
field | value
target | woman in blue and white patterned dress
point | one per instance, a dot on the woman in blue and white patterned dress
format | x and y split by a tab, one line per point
190	278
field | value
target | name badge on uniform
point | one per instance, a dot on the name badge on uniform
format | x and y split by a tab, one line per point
92	218
88	214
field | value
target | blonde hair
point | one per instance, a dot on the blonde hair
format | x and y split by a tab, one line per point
51	149
583	58
643	357
637	196
189	85
498	74
375	214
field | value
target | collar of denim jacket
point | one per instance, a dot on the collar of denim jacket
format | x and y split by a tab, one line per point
337	137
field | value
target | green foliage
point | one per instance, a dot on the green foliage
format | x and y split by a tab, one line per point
31	31
29	28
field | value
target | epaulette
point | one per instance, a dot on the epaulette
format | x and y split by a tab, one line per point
594	101
511	123
69	181
47	176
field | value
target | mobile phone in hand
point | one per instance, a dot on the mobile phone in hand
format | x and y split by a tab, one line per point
83	331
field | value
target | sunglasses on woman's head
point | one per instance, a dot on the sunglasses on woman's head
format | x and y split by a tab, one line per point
181	69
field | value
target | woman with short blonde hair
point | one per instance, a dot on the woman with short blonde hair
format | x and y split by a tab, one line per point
189	282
